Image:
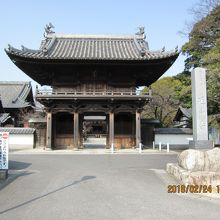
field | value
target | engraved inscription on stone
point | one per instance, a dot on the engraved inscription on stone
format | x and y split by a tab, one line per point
199	105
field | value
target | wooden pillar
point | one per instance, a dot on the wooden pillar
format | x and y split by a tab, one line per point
54	130
49	130
80	130
138	128
76	129
133	124
107	132
111	128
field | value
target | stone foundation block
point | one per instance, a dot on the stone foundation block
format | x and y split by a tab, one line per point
194	178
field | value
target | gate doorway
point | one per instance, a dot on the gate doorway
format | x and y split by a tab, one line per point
94	132
62	130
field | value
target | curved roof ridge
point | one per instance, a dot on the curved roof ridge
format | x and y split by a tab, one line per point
23	93
12	49
4	117
142	50
165	52
48	44
91	36
25	49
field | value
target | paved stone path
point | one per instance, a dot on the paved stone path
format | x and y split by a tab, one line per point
97	187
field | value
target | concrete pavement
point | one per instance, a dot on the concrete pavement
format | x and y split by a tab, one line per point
120	186
90	151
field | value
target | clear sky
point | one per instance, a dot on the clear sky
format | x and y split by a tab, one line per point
23	21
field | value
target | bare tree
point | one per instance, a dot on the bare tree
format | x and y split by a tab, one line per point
202	8
23	116
198	11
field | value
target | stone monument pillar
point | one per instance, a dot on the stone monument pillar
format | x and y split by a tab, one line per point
199	110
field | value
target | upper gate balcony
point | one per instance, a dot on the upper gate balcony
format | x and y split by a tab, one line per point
92	95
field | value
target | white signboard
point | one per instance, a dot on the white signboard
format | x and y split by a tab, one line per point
4	150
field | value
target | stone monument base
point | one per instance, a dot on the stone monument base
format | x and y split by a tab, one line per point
197	169
3	174
194	178
203	144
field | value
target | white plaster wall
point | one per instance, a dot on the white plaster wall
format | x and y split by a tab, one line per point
173	139
21	141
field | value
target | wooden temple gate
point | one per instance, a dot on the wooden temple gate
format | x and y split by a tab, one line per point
65	125
93	73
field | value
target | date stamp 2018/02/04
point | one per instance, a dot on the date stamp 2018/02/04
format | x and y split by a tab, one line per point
193	188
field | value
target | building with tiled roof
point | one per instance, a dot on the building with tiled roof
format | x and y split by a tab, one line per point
130	54
183	118
93	75
5	118
16	96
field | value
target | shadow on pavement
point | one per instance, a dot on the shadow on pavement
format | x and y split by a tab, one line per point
13	177
84	178
14	172
17	165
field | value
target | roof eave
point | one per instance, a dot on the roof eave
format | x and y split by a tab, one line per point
19	56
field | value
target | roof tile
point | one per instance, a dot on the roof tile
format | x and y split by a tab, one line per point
14	94
78	47
12	130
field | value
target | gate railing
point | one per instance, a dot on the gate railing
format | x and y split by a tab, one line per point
41	93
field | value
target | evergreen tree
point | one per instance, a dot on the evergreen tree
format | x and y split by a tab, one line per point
203	49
